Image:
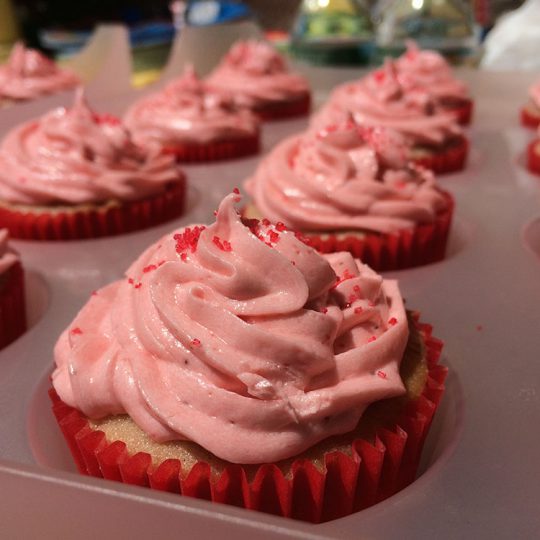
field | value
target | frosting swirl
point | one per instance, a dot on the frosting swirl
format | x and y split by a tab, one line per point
28	74
380	100
74	156
429	70
254	74
242	339
188	112
342	178
7	256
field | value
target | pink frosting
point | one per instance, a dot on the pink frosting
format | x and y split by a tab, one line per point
75	156
380	100
188	112
254	74
428	70
7	256
344	178
28	74
242	339
534	93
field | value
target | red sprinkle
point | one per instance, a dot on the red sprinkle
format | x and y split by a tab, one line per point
266	222
149	268
215	212
356	289
392	321
76	331
324	310
130	281
161	263
358	310
94	293
138	285
188	239
381	374
274	236
371	339
236	190
280	226
184	257
223	245
195	342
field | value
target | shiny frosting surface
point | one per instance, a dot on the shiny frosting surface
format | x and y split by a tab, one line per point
28	74
74	156
430	71
344	177
187	111
238	337
380	100
7	256
254	73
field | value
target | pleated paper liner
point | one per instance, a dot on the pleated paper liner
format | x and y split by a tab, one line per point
423	244
12	305
533	156
530	116
282	110
462	111
77	223
451	158
366	471
215	150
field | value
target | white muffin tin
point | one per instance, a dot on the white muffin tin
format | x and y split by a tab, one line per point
480	470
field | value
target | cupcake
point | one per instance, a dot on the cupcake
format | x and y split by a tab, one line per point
380	100
193	122
429	71
12	301
236	364
530	113
347	188
256	76
28	74
73	174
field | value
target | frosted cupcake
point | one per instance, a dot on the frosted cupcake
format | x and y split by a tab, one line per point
28	74
249	370
530	113
429	71
73	174
381	101
12	301
256	76
347	188
193	122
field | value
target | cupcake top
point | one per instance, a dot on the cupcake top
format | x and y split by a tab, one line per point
28	74
428	70
254	73
74	156
344	177
187	111
7	256
380	100
239	337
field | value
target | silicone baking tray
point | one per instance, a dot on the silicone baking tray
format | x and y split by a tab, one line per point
480	474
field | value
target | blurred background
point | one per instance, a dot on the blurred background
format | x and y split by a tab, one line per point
318	31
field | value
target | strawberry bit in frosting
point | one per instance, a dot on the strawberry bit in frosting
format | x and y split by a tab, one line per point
70	156
240	351
344	178
188	111
255	74
28	74
381	101
7	256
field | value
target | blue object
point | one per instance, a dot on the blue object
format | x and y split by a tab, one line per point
209	12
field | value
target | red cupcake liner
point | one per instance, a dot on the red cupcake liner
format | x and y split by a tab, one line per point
215	151
12	306
463	112
371	473
451	159
94	222
533	156
284	109
528	119
425	244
